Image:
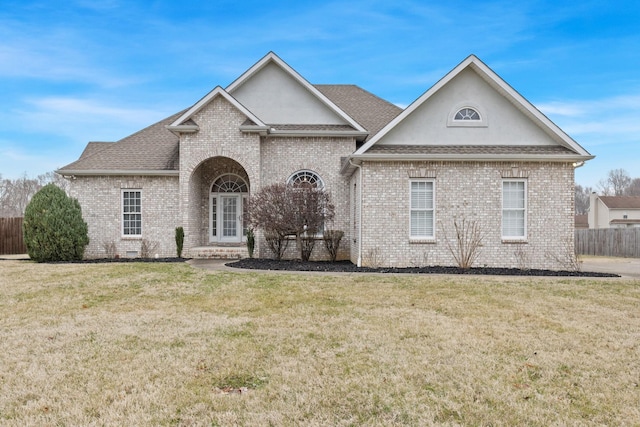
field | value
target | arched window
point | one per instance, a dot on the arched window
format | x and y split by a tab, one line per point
306	178
467	114
229	184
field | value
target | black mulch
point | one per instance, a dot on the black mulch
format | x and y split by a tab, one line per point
348	267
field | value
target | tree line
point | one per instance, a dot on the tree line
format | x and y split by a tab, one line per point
15	194
617	183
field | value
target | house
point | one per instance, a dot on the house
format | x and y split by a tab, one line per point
614	211
470	150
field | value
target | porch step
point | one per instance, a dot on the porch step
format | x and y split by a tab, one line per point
219	252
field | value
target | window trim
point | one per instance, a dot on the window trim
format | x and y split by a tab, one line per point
524	209
428	238
123	213
453	122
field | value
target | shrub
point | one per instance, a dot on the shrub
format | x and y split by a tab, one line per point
179	241
53	226
251	242
332	242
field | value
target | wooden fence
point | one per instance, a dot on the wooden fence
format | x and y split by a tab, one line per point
618	242
11	241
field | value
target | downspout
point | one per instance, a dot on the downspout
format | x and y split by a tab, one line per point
359	262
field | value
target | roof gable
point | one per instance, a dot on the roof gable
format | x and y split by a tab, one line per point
456	90
277	94
184	122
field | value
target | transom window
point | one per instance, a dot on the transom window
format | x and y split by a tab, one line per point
131	213
306	178
514	209
467	114
229	184
422	209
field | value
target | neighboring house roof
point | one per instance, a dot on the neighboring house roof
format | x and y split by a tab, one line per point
582	221
621	202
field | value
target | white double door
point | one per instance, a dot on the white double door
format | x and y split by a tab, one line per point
225	223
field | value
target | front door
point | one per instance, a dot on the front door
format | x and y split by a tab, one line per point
231	218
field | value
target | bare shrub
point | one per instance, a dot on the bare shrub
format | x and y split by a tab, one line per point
566	256
147	247
417	261
522	258
374	258
332	240
277	243
306	247
110	248
282	210
467	244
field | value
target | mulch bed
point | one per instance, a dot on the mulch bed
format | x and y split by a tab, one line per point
348	267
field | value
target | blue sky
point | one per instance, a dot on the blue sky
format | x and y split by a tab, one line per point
76	71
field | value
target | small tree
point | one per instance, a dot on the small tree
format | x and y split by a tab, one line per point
53	226
283	210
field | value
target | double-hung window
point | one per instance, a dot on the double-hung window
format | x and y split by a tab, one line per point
422	211
514	210
132	213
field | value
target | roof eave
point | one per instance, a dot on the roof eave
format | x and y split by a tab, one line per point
348	166
178	129
72	173
358	135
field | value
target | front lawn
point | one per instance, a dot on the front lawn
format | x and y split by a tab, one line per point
166	344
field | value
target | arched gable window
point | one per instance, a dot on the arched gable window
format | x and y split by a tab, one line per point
306	178
467	114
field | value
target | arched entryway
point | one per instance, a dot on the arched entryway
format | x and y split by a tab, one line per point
227	209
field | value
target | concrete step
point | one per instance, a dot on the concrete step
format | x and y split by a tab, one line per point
218	252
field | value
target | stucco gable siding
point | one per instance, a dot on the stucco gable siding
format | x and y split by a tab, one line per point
276	97
429	123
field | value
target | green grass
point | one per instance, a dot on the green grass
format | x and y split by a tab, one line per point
166	344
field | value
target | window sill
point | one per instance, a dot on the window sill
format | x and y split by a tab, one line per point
128	237
422	241
515	242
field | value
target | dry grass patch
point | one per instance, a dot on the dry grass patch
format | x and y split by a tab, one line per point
165	344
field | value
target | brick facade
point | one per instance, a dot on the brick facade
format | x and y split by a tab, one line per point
101	202
473	191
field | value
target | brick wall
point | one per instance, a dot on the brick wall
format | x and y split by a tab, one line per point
471	190
101	202
281	157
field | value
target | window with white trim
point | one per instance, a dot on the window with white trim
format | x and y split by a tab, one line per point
306	178
422	197
514	209
132	213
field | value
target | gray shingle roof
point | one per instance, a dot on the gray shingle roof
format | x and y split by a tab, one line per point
372	112
153	148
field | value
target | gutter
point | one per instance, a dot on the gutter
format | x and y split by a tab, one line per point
359	262
70	173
